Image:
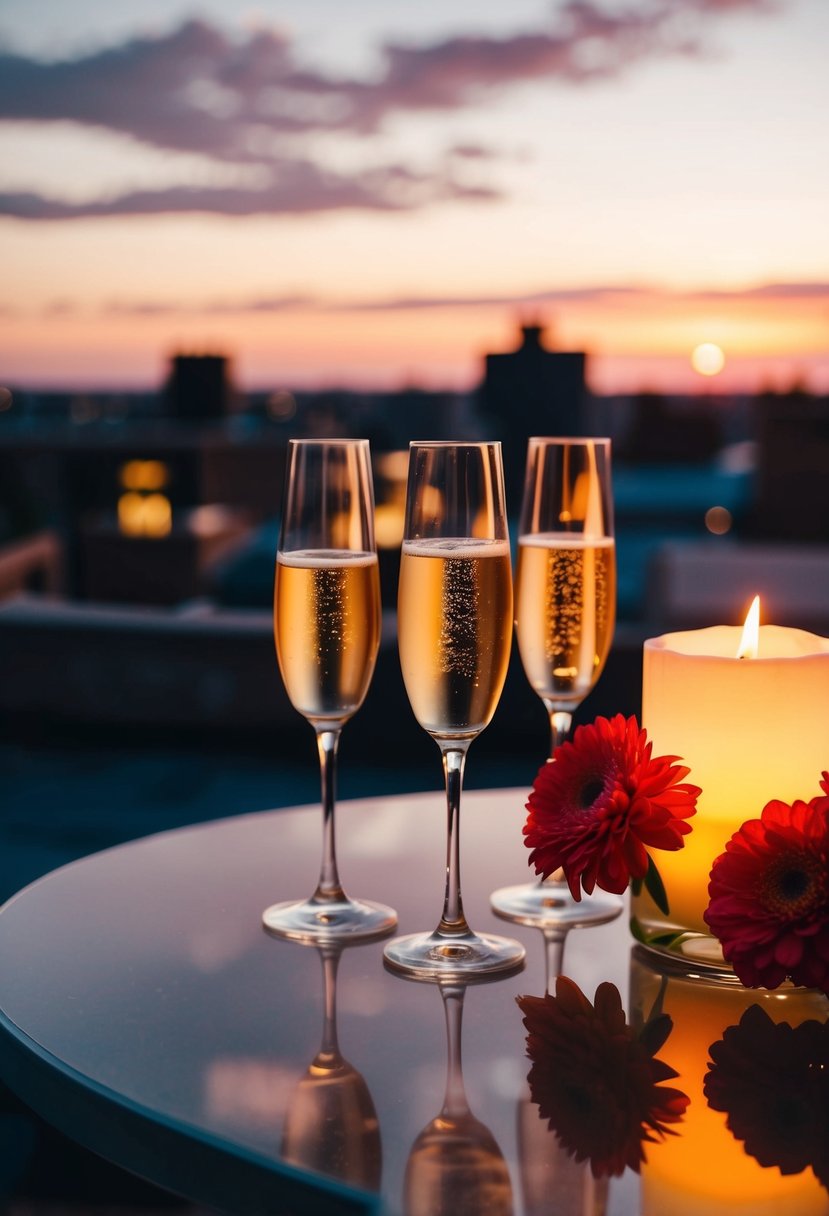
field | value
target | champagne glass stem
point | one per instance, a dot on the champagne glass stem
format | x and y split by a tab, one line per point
455	1102
329	889
330	962
453	922
560	722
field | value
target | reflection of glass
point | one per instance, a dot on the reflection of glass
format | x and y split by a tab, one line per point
331	1125
565	612
702	1007
454	632
327	630
455	1167
555	939
553	1183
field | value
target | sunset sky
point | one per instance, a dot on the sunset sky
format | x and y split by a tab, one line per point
353	192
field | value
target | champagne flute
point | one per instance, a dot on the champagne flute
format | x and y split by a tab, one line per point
454	632
564	621
327	631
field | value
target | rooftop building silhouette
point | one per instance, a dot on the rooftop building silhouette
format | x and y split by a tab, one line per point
199	387
531	391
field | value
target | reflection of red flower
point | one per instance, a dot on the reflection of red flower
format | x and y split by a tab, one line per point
601	802
769	896
772	1081
595	1080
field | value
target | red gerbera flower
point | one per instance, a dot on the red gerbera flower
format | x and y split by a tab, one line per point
772	1081
602	801
769	896
595	1080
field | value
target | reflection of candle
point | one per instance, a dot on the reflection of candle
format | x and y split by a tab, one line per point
704	1170
751	729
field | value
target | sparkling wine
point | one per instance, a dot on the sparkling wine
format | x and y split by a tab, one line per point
565	612
454	626
327	629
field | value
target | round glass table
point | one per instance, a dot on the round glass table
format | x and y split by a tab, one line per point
148	1014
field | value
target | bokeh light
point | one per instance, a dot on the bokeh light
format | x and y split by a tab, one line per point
718	520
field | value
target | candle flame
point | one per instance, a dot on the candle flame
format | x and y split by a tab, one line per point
750	641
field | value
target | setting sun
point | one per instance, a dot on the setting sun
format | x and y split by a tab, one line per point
707	359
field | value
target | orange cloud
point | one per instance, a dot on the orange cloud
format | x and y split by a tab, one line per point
635	337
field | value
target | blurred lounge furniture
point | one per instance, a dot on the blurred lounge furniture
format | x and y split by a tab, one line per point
159	569
212	672
86	664
34	563
713	583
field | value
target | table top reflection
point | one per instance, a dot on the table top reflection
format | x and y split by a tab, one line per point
147	1013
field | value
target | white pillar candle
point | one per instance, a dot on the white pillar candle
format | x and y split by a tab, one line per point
750	730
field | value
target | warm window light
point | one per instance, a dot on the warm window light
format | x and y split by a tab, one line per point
578	504
389	518
432	499
144	475
158	515
144	514
750	640
394	466
130	514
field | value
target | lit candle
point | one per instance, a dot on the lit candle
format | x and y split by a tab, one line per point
750	728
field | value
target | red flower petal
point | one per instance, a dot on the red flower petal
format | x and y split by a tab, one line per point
602	802
772	1082
595	1080
769	896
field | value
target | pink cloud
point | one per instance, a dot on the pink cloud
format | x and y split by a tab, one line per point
625	295
196	89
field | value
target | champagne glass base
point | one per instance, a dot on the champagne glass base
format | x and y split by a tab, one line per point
549	904
321	921
434	956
